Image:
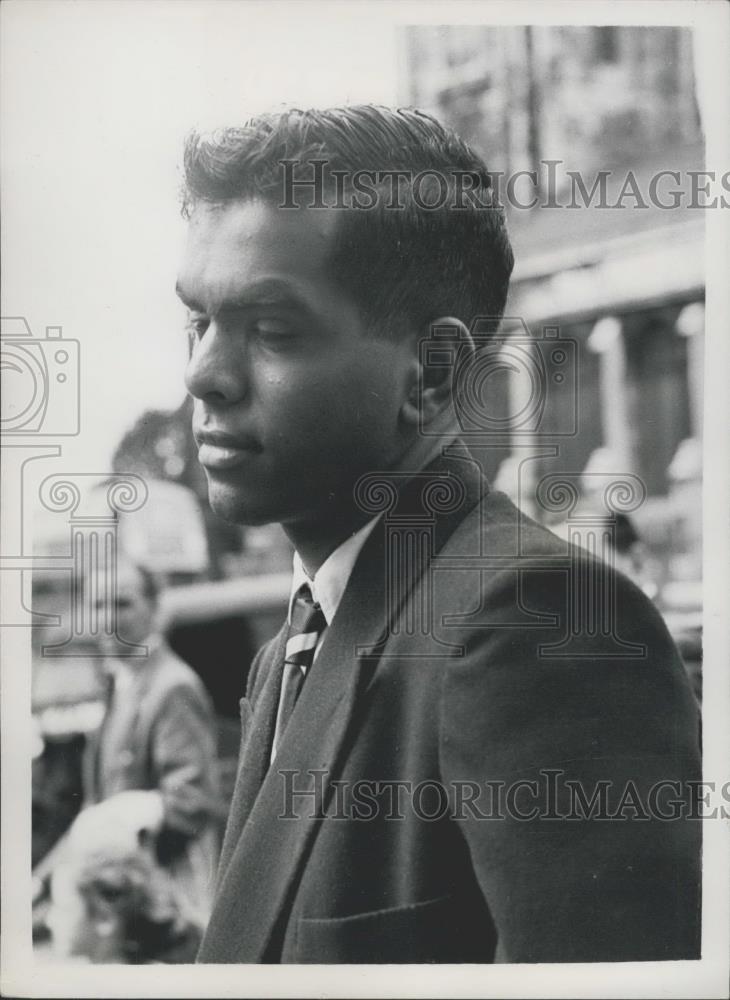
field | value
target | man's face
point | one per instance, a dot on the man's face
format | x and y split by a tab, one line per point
294	400
135	613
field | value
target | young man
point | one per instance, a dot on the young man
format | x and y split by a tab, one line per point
440	761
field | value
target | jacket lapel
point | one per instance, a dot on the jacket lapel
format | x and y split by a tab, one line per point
257	733
263	849
270	832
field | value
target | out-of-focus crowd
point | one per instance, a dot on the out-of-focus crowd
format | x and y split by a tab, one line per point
131	880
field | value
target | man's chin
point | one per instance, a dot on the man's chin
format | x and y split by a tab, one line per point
231	504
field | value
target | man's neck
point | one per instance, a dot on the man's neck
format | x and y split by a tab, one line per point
315	539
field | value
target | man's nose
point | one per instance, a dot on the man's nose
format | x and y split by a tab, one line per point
216	369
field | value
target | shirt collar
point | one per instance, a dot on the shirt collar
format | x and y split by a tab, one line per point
331	578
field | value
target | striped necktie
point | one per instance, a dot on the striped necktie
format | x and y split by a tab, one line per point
307	624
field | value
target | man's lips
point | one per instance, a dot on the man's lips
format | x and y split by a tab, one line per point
217	450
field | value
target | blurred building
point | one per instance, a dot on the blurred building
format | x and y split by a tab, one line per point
594	95
597	112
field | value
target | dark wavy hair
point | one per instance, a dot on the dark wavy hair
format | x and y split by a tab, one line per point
401	265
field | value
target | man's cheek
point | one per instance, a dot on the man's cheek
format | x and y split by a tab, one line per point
314	411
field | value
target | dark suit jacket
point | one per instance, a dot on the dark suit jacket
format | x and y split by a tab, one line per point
165	741
504	686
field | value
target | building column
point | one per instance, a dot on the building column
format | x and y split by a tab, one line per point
691	324
685	469
607	341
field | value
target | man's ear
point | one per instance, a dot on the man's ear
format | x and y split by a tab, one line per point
437	352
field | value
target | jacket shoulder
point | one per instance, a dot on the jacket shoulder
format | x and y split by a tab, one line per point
498	527
523	576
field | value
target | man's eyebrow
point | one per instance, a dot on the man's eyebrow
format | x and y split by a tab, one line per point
263	293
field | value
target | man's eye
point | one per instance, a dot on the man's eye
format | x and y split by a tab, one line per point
273	328
197	325
274	334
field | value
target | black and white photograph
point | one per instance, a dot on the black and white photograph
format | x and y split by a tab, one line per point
365	541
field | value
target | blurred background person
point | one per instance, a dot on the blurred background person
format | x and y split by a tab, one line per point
110	900
157	736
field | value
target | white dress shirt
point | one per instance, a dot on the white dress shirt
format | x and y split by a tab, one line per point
330	580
